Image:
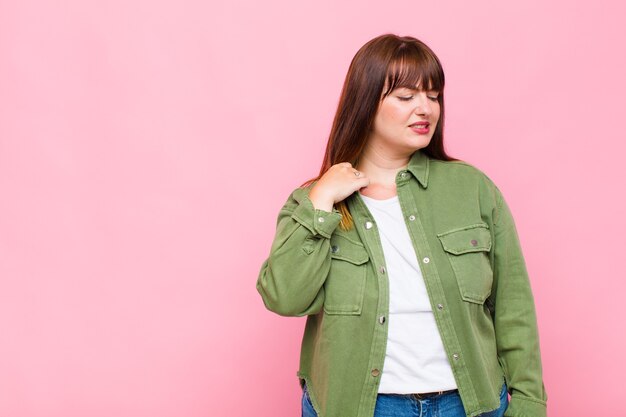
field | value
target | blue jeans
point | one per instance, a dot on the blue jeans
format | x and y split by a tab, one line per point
399	405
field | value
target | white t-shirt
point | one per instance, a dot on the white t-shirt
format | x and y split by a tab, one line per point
415	360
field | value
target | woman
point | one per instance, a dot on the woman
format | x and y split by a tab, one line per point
406	261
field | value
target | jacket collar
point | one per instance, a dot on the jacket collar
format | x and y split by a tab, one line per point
419	166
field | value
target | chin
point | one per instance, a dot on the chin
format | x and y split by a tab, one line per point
420	143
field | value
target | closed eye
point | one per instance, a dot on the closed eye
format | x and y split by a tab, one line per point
410	97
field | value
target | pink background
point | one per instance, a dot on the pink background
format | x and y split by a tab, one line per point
147	146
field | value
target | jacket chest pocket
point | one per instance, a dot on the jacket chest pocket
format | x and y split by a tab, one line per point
344	288
468	249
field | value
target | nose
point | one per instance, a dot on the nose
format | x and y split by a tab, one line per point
423	105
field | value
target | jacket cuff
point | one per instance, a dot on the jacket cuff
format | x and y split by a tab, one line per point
319	222
525	407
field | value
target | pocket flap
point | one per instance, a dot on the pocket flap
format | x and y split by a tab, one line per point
348	250
471	238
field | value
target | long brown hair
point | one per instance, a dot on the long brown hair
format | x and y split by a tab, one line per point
387	60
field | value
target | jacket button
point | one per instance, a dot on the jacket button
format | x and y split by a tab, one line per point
381	319
455	356
320	219
368	225
411	217
440	306
382	269
403	175
375	372
426	260
334	248
474	242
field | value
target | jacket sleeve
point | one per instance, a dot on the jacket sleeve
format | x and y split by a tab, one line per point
515	320
292	277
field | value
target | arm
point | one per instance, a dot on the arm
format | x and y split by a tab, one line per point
515	320
292	277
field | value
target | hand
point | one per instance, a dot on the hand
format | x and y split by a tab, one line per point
336	184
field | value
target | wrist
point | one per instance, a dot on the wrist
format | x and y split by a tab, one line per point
321	201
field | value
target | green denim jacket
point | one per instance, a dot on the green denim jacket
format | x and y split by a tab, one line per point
469	252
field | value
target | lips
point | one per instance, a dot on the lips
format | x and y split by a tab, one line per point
421	128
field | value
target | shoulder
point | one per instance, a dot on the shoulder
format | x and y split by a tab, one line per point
460	169
466	175
458	166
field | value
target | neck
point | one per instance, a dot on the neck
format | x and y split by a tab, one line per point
382	167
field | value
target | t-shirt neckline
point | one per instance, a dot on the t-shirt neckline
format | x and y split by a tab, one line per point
376	202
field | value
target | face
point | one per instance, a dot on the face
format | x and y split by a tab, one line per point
394	124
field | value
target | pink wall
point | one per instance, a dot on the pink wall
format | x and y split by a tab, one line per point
146	147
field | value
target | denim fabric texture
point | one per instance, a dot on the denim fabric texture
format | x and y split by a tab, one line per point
398	405
469	252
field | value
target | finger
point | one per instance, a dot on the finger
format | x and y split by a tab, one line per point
363	182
